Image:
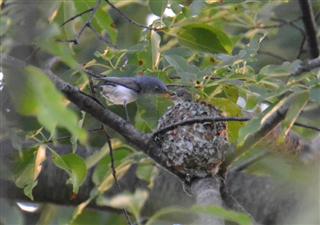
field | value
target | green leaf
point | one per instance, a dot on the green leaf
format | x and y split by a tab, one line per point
43	100
215	211
158	6
205	38
220	212
28	168
146	172
102	21
62	51
188	72
259	127
103	167
232	110
75	166
280	70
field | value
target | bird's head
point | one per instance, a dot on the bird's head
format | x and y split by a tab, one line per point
181	94
151	85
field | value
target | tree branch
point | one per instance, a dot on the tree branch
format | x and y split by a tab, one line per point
311	65
310	27
207	192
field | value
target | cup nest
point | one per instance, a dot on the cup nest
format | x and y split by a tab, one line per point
194	150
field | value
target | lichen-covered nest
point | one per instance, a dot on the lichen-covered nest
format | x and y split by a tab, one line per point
193	150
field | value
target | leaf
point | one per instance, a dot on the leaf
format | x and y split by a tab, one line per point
222	213
146	172
297	103
259	127
188	72
28	169
155	49
133	202
107	183
280	70
43	100
158	6
75	166
205	38
62	51
39	159
214	1
103	166
215	211
102	20
230	108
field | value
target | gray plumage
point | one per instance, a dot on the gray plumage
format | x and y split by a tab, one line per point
123	90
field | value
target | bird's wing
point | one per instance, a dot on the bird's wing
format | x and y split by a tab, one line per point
128	82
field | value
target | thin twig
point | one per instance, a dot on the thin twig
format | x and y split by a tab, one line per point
76	16
87	23
114	173
101	37
301	46
68	136
128	18
198	120
290	23
307	126
310	27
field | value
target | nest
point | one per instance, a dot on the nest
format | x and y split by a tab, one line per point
194	150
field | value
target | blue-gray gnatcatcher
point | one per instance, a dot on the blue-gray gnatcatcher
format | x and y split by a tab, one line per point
123	90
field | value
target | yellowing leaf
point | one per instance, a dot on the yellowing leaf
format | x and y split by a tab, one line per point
108	182
214	1
28	168
40	158
155	49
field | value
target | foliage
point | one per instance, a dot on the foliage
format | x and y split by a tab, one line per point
231	54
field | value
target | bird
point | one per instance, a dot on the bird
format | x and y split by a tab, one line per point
124	90
180	95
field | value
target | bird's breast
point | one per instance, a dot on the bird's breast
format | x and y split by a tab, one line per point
118	94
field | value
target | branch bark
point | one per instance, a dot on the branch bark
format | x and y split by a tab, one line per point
207	192
310	27
311	65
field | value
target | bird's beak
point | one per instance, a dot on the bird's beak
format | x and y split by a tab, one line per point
169	94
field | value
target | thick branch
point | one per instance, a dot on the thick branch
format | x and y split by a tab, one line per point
142	142
310	27
259	196
207	192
